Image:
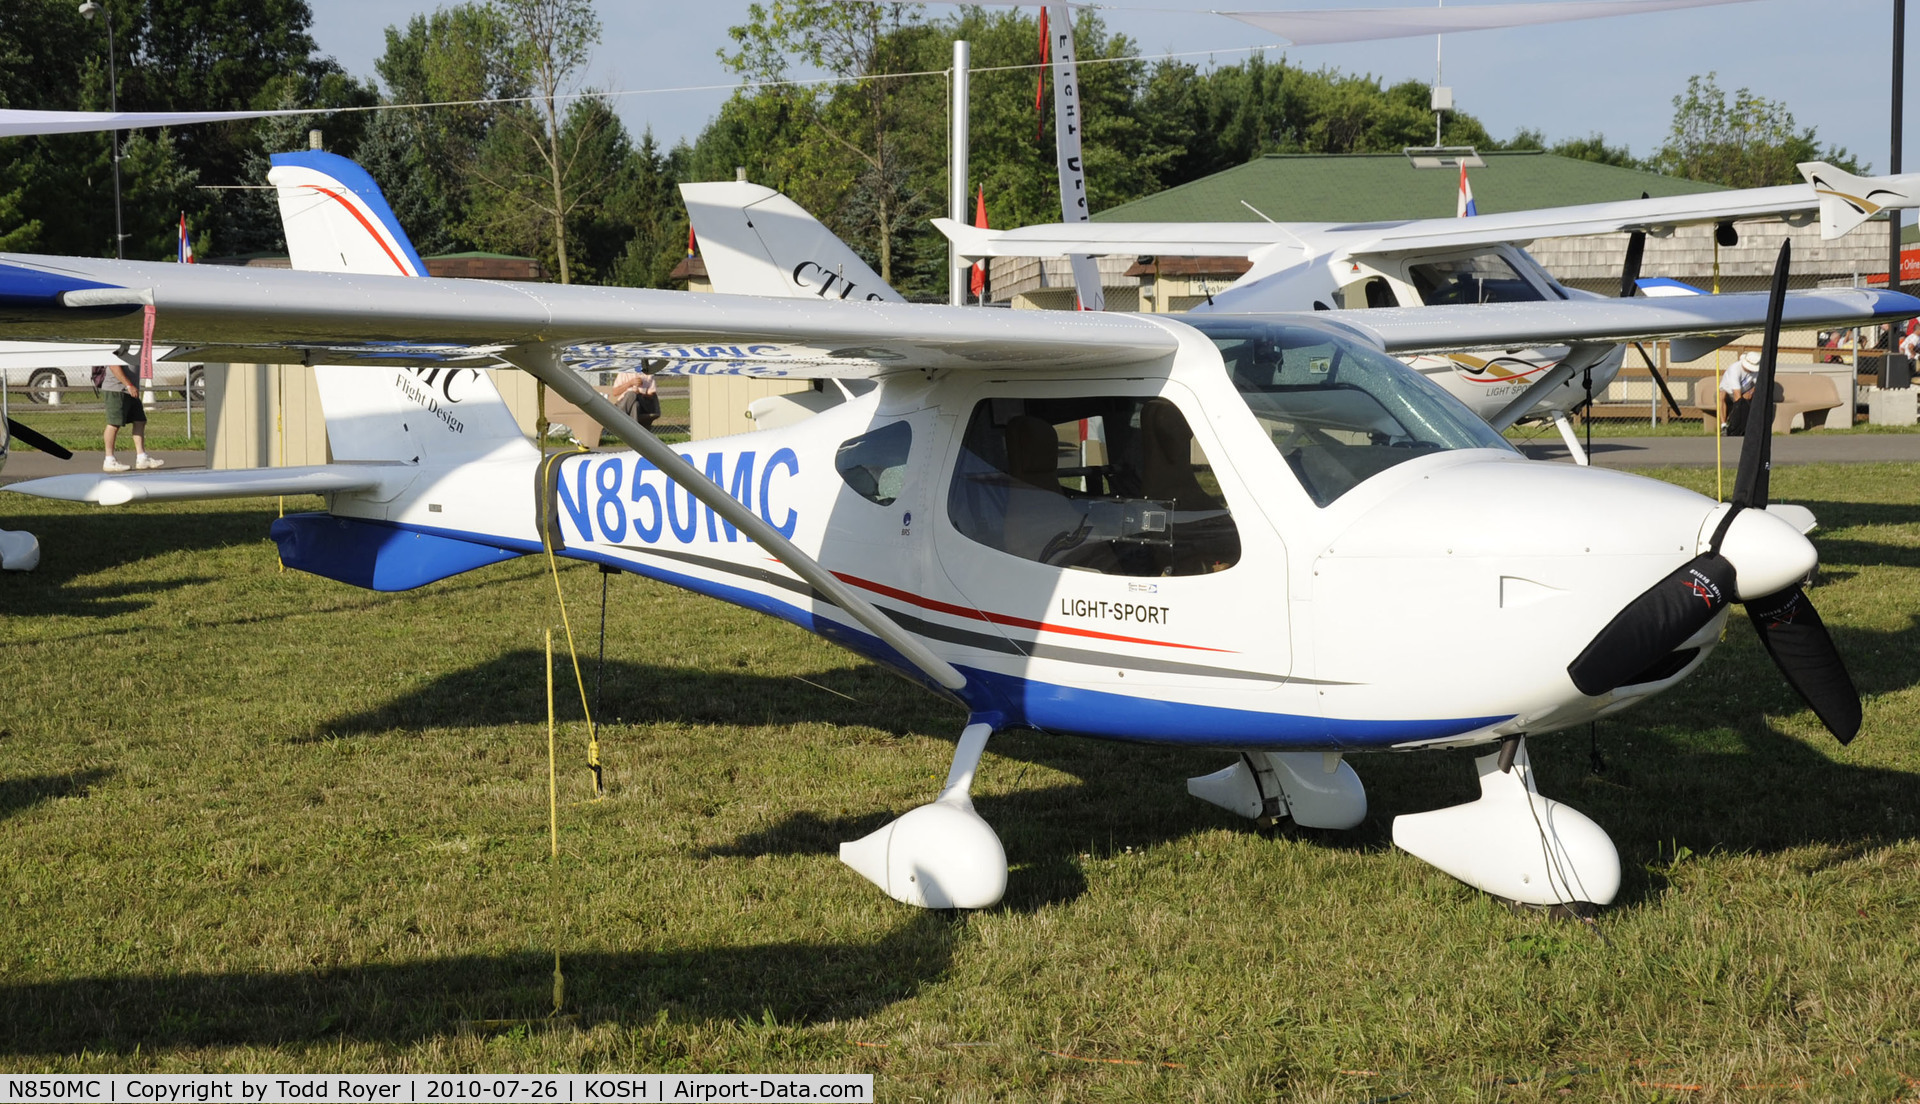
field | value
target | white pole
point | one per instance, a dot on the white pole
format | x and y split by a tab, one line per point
957	269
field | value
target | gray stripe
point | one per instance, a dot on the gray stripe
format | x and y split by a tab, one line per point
986	642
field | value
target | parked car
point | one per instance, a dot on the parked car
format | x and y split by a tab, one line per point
42	370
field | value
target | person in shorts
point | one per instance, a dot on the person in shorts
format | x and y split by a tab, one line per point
1736	392
122	396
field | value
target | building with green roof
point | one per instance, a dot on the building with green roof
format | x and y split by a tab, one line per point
1371	186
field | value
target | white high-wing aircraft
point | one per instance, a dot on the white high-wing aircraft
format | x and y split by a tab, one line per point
1196	531
1306	266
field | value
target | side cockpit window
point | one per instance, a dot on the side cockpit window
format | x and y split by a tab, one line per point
1115	485
874	464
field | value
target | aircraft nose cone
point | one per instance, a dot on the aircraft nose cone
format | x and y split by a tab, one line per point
1768	554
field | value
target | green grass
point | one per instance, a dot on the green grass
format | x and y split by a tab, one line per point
1690	427
261	821
79	427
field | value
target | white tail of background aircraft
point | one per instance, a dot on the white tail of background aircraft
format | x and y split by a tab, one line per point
758	242
1846	200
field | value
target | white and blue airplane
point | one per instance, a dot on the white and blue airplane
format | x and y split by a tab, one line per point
1200	531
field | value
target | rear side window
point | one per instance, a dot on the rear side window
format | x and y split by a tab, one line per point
1483	278
1115	485
874	464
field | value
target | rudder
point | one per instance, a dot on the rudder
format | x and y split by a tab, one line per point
337	220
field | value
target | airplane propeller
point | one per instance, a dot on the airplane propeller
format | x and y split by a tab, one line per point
1629	283
1641	636
45	444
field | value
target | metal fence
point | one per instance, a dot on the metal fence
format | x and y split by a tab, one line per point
44	405
1634	395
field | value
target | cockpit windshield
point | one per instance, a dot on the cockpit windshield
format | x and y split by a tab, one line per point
1338	411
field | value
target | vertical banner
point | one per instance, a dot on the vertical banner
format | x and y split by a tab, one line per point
1067	117
146	344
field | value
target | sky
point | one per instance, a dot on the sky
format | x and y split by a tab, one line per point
1828	60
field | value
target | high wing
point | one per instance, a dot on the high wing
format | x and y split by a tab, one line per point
265	315
272	316
1406	330
1841	202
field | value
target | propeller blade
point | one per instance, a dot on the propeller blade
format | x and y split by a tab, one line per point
1659	379
1798	641
1654	624
43	443
1636	249
1756	449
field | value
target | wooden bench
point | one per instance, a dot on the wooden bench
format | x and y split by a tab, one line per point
585	429
1795	393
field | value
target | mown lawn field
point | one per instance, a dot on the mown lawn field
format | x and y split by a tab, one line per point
256	820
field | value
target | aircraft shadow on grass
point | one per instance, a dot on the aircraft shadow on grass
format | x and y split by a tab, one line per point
1700	766
511	689
400	1003
17	795
75	545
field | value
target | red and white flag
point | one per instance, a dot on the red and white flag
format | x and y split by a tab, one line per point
1040	81
1464	206
185	255
978	283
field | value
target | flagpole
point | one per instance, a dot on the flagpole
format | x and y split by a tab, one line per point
958	270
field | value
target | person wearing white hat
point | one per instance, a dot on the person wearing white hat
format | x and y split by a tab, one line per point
1736	390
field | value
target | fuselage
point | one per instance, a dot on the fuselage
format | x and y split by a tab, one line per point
1323	274
1259	543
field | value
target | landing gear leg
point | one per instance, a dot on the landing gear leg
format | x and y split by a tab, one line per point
940	855
1565	425
1512	842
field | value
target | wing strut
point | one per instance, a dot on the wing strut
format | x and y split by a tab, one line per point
1578	357
541	362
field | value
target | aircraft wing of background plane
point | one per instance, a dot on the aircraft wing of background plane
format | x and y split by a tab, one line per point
1405	330
251	315
1841	201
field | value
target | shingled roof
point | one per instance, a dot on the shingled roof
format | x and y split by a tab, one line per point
1364	187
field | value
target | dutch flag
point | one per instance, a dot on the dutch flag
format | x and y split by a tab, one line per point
1465	205
185	255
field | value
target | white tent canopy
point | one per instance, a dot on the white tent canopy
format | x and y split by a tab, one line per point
1325	26
16	123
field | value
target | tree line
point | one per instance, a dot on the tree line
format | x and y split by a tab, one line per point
527	164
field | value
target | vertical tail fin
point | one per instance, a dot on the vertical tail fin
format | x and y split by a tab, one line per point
336	220
756	241
1846	200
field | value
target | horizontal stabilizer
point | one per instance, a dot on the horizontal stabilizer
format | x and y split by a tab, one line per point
183	486
1654	287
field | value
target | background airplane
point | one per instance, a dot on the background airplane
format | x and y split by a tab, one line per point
1480	260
